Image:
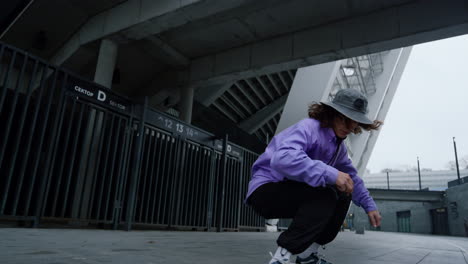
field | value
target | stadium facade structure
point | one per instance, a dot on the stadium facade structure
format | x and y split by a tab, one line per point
433	180
95	80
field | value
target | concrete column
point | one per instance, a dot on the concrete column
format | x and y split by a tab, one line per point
311	84
186	104
379	103
106	63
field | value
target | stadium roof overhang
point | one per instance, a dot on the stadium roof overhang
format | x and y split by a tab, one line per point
240	56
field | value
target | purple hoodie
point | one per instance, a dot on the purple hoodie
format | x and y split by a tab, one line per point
301	153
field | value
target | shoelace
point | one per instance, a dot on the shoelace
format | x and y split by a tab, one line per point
280	260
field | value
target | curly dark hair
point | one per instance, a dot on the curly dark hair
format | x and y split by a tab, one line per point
326	115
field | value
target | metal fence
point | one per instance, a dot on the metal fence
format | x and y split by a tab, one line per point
73	152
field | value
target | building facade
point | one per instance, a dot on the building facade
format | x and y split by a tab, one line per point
423	212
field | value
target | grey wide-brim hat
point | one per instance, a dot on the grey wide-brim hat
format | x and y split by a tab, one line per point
352	104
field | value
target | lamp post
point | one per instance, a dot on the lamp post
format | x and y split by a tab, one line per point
388	182
456	160
419	174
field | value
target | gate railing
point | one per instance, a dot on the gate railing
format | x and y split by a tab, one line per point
75	152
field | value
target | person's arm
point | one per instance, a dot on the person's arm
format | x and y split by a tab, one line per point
360	195
291	160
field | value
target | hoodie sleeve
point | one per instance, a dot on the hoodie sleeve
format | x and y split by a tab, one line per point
291	160
361	196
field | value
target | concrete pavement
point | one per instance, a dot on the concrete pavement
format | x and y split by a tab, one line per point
85	246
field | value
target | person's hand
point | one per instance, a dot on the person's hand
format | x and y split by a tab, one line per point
344	183
374	218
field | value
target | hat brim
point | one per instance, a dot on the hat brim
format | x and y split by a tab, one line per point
349	113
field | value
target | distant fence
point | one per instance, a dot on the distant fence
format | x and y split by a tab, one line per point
72	151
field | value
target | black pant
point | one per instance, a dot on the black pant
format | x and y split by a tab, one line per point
317	212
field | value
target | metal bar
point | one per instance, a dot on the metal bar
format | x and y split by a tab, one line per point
252	86
240	179
222	177
360	77
238	99
197	186
183	185
249	98
72	158
193	174
151	190
102	130
456	161
5	192
7	126
17	144
106	162
388	182
275	121
190	191
84	160
181	155
264	86
50	163
270	128
145	175
168	180
171	169
225	112
230	209
291	75
2	50
62	163
136	169
159	179
128	144
419	175
273	83
138	198
137	203
40	142
227	196
114	204
232	106
234	187
108	200
211	212
287	87
164	180
5	82
146	152
216	189
204	187
227	212
203	190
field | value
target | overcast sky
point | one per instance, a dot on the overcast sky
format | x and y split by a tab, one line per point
429	108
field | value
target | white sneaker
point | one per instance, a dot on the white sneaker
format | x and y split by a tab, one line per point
275	260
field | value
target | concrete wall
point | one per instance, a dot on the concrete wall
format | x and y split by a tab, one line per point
311	84
420	215
457	216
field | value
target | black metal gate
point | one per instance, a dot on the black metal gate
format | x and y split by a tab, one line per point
75	152
439	219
